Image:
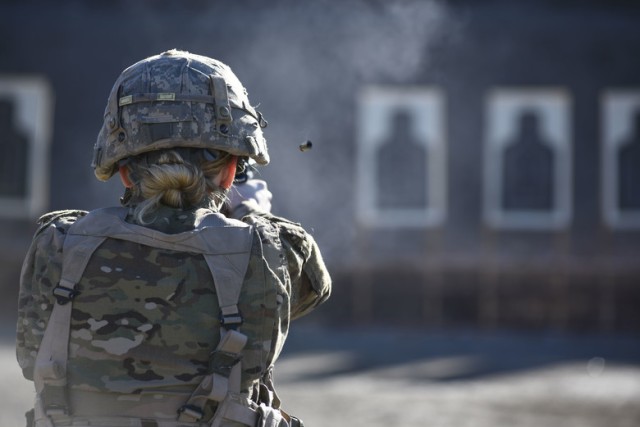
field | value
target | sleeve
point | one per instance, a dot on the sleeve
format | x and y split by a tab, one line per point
40	273
310	279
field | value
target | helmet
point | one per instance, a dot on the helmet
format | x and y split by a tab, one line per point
177	99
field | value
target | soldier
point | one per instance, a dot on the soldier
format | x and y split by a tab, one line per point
165	312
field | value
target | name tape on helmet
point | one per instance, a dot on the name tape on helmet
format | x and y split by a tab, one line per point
129	99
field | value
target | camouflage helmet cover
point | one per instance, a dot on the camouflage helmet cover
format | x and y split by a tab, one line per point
177	99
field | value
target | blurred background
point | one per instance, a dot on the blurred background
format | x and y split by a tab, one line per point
474	185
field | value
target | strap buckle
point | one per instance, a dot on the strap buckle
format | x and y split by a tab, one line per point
190	412
64	294
55	410
230	317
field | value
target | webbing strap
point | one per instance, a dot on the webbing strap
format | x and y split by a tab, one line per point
223	109
221	383
232	409
228	271
226	369
50	374
138	98
228	274
215	235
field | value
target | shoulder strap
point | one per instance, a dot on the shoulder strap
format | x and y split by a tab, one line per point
215	234
50	373
225	362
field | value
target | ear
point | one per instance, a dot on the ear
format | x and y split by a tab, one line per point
228	173
124	176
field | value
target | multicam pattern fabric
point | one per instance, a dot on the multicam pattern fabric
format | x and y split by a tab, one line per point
146	319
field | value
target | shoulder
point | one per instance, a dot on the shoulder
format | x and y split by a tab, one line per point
268	224
60	220
271	227
299	246
309	277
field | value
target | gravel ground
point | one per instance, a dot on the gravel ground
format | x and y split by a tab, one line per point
411	378
381	377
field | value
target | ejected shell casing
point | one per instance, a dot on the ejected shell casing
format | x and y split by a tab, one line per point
306	146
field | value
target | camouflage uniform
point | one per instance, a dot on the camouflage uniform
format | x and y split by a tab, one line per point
124	325
146	319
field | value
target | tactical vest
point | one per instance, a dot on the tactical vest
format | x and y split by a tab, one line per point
226	247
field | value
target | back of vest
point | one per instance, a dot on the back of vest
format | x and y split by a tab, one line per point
146	318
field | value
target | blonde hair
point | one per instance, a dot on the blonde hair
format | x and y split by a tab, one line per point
177	178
